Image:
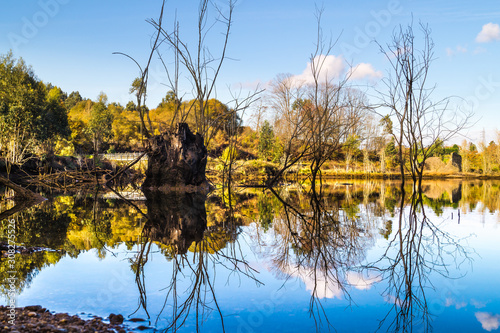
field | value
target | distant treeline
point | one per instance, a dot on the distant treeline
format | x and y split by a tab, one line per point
40	119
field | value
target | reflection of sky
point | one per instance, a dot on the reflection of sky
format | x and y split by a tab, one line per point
489	321
455	302
101	286
324	285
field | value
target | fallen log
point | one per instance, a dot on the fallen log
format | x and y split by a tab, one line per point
21	193
23	197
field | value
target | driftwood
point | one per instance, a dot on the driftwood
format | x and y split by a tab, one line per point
70	178
21	193
23	197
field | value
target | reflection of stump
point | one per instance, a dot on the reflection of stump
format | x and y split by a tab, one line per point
177	161
456	194
176	219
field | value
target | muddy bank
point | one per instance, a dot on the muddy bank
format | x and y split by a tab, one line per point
38	319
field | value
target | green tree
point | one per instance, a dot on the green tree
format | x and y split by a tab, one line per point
54	123
437	148
351	150
73	99
130	106
100	124
31	113
391	153
453	149
266	140
168	100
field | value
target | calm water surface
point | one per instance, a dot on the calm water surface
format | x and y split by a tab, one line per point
356	258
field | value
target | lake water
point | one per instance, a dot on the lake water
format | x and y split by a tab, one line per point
355	258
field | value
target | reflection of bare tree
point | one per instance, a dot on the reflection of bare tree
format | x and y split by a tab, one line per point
178	223
418	249
319	244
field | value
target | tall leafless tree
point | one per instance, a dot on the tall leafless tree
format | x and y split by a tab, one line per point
202	63
419	120
318	114
290	121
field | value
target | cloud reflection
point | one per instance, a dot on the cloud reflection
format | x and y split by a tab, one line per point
321	285
488	320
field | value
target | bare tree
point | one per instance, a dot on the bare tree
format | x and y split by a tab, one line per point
419	120
257	116
317	115
202	64
333	115
373	141
290	121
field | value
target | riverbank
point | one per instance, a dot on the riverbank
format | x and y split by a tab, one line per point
259	171
38	319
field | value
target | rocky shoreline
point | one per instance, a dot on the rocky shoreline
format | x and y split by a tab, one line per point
38	319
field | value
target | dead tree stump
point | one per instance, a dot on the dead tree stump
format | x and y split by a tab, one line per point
176	162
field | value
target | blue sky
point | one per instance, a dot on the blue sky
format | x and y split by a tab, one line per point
70	43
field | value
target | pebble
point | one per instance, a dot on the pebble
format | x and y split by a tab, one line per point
115	319
35	319
135	320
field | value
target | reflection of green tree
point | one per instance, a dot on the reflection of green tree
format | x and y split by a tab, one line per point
438	204
386	232
266	212
26	267
487	192
351	210
69	225
102	223
41	226
391	199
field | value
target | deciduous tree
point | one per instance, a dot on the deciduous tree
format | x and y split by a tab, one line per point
100	124
419	120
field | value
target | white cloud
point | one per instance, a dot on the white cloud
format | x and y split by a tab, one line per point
458	49
489	32
364	70
329	67
323	285
488	321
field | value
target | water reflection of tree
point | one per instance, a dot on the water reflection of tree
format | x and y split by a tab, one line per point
38	228
324	243
61	226
320	242
177	222
418	250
